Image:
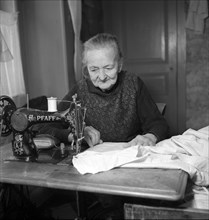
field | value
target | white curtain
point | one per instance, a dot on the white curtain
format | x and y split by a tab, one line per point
75	10
11	74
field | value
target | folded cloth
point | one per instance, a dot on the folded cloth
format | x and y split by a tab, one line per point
188	152
104	157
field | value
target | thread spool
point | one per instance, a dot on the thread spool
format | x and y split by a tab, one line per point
52	104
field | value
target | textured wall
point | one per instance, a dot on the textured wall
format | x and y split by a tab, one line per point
197	78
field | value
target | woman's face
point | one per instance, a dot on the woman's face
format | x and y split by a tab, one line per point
103	67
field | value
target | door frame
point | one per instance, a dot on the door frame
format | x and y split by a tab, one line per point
181	66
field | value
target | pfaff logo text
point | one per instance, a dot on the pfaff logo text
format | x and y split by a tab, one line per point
43	118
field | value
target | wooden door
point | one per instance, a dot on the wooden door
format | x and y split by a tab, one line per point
147	31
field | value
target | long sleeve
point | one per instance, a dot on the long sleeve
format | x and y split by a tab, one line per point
150	117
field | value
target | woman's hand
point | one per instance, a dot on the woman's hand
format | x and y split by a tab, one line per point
92	136
143	140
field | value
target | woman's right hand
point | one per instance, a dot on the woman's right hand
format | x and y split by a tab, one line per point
92	136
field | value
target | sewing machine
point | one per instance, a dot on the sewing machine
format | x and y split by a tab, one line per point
26	144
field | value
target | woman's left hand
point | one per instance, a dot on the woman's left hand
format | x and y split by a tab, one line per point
143	140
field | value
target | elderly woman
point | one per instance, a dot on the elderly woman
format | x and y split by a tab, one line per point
119	106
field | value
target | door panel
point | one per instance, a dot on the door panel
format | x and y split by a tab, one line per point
147	34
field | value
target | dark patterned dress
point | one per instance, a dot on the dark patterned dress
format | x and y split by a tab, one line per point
119	114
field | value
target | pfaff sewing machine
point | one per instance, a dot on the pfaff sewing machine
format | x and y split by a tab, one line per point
20	122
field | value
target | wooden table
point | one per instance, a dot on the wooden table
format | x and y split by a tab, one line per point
162	184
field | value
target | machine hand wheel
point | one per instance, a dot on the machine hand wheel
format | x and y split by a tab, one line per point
7	107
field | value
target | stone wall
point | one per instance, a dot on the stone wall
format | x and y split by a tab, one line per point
197	78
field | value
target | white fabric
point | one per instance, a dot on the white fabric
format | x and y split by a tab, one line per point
11	74
76	15
197	13
104	157
188	152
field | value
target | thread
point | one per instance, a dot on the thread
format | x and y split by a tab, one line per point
52	104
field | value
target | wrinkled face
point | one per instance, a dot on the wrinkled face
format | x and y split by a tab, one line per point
103	67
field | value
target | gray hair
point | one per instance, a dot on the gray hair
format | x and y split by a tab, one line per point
101	40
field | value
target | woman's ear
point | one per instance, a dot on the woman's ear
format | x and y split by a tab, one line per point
120	65
85	72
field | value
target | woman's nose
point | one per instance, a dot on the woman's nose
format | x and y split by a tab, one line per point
102	74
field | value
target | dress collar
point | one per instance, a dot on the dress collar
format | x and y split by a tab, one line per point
98	91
